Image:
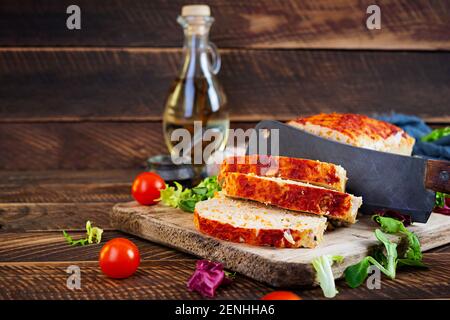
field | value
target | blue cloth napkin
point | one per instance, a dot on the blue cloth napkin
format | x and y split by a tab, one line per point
416	127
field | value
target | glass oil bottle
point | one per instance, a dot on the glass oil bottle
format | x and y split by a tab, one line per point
196	98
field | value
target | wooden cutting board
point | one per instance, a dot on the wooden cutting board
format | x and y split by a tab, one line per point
277	267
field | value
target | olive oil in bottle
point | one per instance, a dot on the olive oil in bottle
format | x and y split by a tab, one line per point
196	101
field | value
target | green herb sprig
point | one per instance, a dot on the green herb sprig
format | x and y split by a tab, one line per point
93	234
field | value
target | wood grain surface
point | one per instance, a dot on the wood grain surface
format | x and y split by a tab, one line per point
56	200
50	246
34	256
167	280
66	192
10	177
419	24
53	216
123	84
109	145
153	280
80	145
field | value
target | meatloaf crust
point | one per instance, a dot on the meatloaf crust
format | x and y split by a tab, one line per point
255	237
322	174
357	130
292	195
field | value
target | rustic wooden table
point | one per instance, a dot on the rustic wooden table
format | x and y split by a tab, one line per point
91	100
36	206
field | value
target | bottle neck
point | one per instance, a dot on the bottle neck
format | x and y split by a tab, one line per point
196	30
196	41
196	45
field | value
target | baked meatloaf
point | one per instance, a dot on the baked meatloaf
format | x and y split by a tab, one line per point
322	174
257	224
357	130
292	195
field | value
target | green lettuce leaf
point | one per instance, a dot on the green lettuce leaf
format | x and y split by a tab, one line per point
389	225
390	259
413	252
411	263
324	275
440	199
186	199
391	255
436	134
170	196
356	274
393	226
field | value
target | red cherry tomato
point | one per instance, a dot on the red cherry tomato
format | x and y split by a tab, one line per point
146	188
119	258
281	295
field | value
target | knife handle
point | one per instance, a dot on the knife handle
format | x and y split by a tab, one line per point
437	175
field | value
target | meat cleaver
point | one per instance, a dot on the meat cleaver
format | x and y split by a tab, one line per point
385	181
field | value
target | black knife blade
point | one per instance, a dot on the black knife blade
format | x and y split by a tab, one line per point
384	180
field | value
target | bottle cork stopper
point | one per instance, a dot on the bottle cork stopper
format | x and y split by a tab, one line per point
196	10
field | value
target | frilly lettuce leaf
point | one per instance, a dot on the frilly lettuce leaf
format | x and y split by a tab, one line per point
186	199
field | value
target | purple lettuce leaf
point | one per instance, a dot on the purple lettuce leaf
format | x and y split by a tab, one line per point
207	277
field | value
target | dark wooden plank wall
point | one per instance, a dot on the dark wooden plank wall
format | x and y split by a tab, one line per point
93	98
420	24
131	84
